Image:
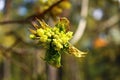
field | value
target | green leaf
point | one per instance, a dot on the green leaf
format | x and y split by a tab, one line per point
53	58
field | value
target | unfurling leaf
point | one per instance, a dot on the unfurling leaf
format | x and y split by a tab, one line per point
35	25
43	24
32	31
74	51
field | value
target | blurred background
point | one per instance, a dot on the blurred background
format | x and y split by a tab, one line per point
96	27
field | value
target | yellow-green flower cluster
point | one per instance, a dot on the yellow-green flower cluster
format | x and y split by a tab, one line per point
60	38
55	40
54	36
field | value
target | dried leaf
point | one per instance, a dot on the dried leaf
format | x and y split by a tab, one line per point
75	51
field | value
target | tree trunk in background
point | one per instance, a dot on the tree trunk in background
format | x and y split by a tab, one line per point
7	72
71	68
7	63
38	65
52	73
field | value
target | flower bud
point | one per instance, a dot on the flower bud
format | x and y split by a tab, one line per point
32	36
40	32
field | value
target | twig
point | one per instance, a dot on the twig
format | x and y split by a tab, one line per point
110	22
39	16
14	22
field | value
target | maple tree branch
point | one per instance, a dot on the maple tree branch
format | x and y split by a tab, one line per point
39	16
31	17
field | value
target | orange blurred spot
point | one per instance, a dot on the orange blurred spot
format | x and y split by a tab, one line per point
99	42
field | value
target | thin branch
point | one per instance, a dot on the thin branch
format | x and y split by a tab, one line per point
82	23
30	18
14	22
105	25
110	22
39	16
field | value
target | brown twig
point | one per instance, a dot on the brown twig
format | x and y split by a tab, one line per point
14	22
30	18
39	16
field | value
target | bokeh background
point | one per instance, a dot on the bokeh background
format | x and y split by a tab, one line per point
96	27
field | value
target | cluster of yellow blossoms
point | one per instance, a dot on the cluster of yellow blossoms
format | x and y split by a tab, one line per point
55	40
52	35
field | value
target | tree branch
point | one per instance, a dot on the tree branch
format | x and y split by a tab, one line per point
41	15
82	23
14	22
31	17
108	23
